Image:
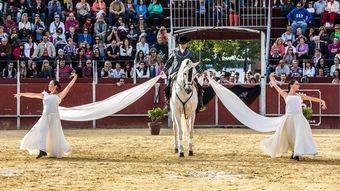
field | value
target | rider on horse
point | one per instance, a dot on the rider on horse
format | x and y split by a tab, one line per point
174	63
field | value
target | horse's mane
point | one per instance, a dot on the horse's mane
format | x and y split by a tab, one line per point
183	64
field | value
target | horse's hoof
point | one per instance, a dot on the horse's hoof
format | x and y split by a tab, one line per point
176	150
181	155
191	153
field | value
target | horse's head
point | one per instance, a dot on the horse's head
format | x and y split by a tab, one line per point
186	75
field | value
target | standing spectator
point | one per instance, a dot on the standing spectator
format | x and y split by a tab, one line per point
282	68
302	49
295	70
118	72
100	27
71	21
142	45
116	10
331	12
99	7
336	76
288	35
289	57
113	51
65	71
85	37
33	71
5	53
125	50
68	8
141	9
47	70
30	46
130	12
45	50
54	8
39	8
142	71
335	66
107	70
323	66
333	48
9	71
299	18
155	10
83	10
38	27
308	69
56	24
88	70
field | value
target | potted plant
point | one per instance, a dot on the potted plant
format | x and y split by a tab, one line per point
155	115
307	112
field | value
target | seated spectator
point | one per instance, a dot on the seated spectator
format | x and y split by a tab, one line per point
3	34
88	24
62	56
257	77
5	53
132	34
70	48
302	49
125	50
319	7
142	71
79	61
225	78
65	71
113	51
112	34
290	45
250	78
121	82
59	40
116	10
331	12
71	21
155	10
335	66
333	48
56	24
288	35
304	80
22	69
141	9
47	70
336	76
289	57
25	27
14	37
54	8
128	69
311	10
39	8
106	71
162	36
336	33
308	69
130	12
298	35
72	34
320	73
100	27
322	65
45	50
87	71
153	58
32	71
9	24
83	10
118	72
98	58
279	46
323	34
100	46
142	45
19	52
317	44
99	7
22	7
9	71
283	79
140	57
160	68
276	54
295	70
68	7
38	28
299	18
281	68
317	56
287	7
122	28
85	37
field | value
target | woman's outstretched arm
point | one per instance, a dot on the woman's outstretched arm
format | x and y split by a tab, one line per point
277	88
68	87
314	99
30	95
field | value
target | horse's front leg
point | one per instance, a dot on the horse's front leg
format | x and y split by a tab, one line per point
174	128
191	135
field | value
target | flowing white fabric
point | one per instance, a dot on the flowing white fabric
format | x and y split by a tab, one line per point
47	133
108	106
243	113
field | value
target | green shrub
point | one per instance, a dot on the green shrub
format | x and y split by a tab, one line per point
307	112
156	114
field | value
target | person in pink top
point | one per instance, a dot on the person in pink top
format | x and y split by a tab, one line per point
333	48
99	5
278	45
65	71
71	21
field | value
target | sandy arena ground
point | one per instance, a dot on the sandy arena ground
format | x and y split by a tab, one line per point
120	159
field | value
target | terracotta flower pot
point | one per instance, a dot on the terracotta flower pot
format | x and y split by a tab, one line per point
154	127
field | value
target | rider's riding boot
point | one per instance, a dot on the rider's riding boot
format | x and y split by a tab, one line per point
167	92
200	105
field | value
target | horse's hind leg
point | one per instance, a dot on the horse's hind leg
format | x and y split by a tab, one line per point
177	120
191	136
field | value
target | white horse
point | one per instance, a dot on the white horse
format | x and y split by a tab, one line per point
183	105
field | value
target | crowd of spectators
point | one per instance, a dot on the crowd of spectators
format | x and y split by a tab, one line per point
124	38
310	46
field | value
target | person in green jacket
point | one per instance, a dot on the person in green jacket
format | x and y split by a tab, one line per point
155	10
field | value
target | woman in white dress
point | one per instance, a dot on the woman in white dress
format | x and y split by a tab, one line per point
46	137
295	134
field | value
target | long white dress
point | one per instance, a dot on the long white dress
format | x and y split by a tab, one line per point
47	133
293	134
